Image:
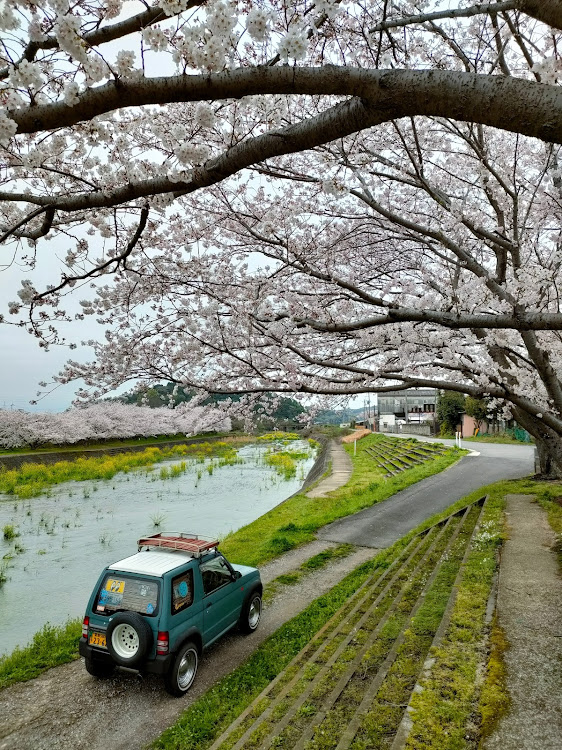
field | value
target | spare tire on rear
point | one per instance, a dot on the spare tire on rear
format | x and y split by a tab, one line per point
129	639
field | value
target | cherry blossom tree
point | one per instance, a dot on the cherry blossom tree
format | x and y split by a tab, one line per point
318	198
106	421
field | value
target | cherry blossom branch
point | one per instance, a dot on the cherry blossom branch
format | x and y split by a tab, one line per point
99	269
49	212
464	257
547	11
102	35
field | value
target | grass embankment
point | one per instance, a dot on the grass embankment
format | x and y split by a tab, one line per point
501	437
50	647
208	717
314	563
455	692
458	704
295	521
33	478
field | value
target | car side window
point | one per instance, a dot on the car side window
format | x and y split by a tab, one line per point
215	573
182	591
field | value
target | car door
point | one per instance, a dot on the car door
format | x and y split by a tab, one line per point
220	598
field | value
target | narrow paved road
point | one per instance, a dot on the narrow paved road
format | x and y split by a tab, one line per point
382	524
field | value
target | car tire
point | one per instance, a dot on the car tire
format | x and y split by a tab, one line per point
129	639
100	669
250	615
182	673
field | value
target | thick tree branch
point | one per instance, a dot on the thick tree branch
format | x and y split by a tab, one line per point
547	11
520	322
49	212
390	94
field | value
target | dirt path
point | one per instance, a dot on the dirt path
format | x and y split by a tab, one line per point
66	708
529	607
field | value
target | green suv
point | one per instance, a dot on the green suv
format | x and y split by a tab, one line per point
158	609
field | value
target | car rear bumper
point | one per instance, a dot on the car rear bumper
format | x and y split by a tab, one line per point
159	665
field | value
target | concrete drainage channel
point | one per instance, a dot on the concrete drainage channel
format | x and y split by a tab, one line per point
354	680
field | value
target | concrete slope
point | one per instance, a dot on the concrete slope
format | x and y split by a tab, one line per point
382	524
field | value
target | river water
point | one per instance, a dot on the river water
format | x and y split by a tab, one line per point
67	536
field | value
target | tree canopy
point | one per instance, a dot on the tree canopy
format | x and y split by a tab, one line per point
450	406
305	198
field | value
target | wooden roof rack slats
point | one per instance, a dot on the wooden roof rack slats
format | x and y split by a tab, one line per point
193	543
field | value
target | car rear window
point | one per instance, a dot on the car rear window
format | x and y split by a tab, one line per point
130	593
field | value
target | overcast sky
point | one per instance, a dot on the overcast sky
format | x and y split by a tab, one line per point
24	364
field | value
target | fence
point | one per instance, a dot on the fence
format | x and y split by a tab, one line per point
409	429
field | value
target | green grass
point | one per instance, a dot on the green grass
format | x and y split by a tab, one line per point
501	437
282	436
50	647
32	479
550	498
9	532
295	521
308	566
494	698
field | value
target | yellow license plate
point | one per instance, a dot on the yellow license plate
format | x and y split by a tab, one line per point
97	639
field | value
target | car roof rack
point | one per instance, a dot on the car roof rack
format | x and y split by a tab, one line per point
195	544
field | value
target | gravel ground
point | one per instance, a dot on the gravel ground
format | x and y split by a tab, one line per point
66	708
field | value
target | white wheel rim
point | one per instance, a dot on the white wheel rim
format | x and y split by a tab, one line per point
254	613
125	641
187	669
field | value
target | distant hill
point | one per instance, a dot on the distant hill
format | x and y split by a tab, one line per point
159	395
339	416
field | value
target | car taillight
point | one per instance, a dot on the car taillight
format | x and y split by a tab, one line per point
162	643
85	624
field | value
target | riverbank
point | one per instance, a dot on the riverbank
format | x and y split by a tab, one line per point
30	479
294	522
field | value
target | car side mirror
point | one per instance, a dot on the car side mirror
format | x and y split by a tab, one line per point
237	575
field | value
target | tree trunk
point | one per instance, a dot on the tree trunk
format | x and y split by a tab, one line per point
548	444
